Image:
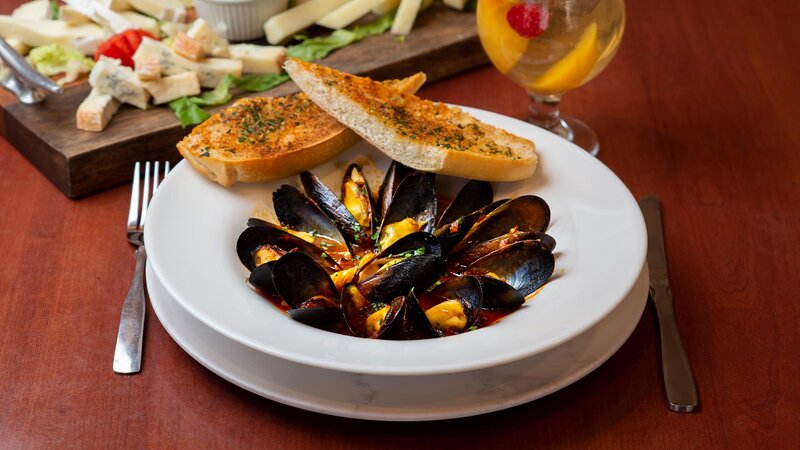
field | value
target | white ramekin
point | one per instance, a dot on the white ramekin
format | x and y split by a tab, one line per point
243	19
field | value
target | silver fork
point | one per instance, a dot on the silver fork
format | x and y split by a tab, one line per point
128	352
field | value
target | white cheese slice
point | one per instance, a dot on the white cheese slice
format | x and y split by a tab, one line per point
172	87
210	70
406	14
101	14
42	32
36	10
169	10
110	77
72	16
386	6
259	58
213	44
115	5
96	111
456	4
280	27
348	13
141	21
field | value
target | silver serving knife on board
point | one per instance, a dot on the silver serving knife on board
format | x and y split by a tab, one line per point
678	378
23	80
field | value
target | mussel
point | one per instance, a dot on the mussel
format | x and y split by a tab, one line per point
471	198
413	208
257	245
450	234
524	265
471	253
394	176
307	288
453	306
528	213
369	319
339	214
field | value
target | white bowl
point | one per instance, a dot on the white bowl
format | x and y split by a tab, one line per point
193	224
243	19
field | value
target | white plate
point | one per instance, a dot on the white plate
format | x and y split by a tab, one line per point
193	225
386	397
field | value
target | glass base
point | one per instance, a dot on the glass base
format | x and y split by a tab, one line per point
543	112
582	136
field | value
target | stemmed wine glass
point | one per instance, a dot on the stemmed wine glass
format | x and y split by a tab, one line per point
550	47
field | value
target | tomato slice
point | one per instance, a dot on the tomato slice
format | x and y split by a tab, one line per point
122	46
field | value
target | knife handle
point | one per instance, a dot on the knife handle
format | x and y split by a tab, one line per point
678	378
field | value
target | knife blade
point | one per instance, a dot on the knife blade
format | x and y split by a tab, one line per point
677	373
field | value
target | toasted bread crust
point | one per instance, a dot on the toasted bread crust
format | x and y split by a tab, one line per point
419	133
268	138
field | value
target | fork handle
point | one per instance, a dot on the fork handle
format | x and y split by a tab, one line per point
678	378
128	353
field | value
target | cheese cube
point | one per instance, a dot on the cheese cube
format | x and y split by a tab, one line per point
169	10
406	14
172	87
213	44
259	58
72	16
148	69
96	111
456	4
210	70
110	77
280	27
348	13
187	47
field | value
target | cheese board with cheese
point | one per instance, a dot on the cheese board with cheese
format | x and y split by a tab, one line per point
83	161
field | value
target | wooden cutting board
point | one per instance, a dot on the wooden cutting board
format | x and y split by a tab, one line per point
442	43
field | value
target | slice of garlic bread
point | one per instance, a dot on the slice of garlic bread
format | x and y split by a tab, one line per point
268	138
419	133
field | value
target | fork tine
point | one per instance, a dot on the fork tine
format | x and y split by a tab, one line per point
133	212
156	167
166	169
145	193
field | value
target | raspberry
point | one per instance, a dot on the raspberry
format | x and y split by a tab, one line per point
528	20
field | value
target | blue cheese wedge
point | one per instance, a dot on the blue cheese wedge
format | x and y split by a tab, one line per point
210	70
213	44
169	10
406	15
110	77
96	111
172	87
259	58
284	25
348	13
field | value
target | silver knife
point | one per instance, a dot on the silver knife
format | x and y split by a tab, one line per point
678	378
23	80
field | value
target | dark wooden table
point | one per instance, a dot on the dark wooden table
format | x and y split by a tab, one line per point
699	107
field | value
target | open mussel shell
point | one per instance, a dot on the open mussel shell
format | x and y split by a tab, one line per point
420	242
299	213
415	198
318	311
261	278
394	176
330	204
411	323
368	319
357	197
524	265
298	278
256	222
497	294
416	272
255	238
450	234
528	213
470	254
453	306
472	197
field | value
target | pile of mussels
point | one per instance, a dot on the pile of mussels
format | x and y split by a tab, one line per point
390	269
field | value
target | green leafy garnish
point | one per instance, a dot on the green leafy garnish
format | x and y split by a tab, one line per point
55	11
188	112
311	49
260	83
52	59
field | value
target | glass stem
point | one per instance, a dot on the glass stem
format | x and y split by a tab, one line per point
543	111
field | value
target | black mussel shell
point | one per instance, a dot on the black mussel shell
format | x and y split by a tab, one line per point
450	234
411	323
330	204
367	319
420	242
466	291
394	176
497	294
526	213
355	174
254	238
298	212
297	278
256	222
415	198
318	311
416	272
470	254
525	265
472	197
261	278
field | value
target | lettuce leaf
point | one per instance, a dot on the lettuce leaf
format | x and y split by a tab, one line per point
312	49
260	83
52	59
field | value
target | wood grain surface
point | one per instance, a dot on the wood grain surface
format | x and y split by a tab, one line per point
699	107
445	42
